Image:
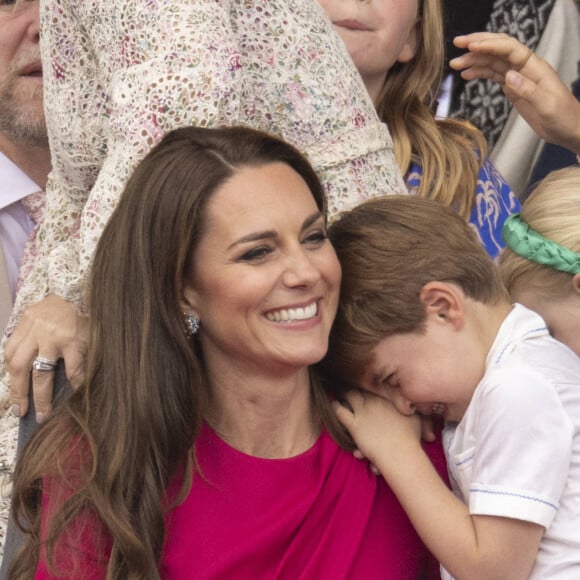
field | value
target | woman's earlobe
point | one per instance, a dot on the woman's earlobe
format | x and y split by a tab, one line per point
188	298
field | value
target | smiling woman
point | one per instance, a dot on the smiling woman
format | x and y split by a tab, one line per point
264	281
213	292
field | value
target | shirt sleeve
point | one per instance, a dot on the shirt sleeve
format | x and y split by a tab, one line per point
120	75
523	448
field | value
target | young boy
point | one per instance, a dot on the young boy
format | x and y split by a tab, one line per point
425	324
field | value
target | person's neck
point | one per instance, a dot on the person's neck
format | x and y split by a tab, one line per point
32	159
490	318
265	416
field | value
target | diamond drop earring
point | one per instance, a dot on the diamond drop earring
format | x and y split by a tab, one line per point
191	323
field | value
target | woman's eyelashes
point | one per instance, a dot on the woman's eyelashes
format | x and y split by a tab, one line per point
256	254
261	252
316	238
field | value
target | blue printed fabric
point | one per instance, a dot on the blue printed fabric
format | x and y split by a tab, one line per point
494	203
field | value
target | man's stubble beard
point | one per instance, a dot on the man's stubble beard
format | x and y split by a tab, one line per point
21	113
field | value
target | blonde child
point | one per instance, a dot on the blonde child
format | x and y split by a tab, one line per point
541	263
398	48
426	324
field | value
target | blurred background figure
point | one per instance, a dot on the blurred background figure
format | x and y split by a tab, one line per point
24	167
24	153
398	47
541	263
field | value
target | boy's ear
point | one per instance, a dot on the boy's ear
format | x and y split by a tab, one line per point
444	301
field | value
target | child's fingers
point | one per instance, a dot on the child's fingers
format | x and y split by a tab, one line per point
427	429
343	414
355	399
373	467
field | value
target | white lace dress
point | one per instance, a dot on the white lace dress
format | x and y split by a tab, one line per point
119	75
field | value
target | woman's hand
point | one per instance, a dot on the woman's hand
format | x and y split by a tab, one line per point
531	84
50	330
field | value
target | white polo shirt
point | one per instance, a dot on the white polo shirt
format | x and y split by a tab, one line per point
516	452
15	225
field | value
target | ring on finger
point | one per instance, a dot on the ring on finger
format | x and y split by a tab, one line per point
522	64
44	364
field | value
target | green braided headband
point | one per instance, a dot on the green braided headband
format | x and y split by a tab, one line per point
529	244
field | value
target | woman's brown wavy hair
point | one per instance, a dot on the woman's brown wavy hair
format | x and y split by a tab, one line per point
112	449
449	151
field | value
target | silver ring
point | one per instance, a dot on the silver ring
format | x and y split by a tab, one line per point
44	364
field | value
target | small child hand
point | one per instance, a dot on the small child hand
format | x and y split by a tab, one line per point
380	432
357	453
427	429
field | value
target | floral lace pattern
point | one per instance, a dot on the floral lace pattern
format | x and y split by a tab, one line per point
119	75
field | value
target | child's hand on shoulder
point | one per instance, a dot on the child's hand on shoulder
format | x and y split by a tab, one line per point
381	433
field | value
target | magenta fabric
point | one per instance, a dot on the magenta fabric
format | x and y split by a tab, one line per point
321	515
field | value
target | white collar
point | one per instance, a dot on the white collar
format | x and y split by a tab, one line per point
521	323
14	183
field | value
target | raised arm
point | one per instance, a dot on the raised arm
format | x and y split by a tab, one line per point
468	546
531	84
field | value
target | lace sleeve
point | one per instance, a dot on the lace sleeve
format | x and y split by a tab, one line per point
120	75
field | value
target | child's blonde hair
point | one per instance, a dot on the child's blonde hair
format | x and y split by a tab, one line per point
450	152
553	211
